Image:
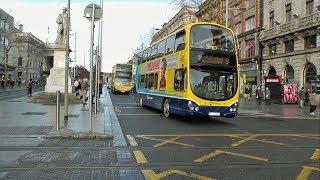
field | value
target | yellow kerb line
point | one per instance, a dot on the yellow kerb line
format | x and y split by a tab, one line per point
218	152
178	143
151	175
139	157
316	155
306	171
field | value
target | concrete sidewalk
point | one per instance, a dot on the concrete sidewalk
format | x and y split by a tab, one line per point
288	111
19	118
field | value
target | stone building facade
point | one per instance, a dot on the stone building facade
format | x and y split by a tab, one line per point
212	11
184	16
6	29
29	56
291	40
245	20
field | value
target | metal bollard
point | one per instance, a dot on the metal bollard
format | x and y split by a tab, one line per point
58	103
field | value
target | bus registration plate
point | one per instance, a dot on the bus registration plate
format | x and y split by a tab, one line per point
214	114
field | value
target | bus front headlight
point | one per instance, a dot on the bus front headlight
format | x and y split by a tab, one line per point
193	106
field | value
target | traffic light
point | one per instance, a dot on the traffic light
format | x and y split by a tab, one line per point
70	51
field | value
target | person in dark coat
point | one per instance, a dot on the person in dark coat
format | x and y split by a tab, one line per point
30	86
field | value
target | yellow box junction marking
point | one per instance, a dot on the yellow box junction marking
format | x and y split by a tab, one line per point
306	171
316	155
257	140
151	175
219	152
139	157
243	140
166	141
225	135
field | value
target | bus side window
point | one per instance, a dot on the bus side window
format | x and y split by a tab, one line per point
150	81
170	45
154	51
180	41
161	48
156	81
179	79
142	81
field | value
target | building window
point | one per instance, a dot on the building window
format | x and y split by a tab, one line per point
288	12
238	28
310	42
289	46
310	73
272	49
251	23
289	74
309	7
271	19
20	61
250	48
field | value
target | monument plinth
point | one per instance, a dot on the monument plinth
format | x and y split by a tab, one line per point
56	79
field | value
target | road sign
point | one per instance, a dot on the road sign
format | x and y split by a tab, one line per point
88	11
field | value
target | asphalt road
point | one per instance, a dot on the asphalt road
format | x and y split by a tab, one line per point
245	147
12	94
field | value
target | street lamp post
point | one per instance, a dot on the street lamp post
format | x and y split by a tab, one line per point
66	103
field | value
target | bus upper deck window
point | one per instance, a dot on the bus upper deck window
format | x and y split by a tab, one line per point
170	44
180	41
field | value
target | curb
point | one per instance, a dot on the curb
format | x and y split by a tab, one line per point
67	133
117	132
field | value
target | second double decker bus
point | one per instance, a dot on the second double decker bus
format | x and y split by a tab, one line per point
193	71
122	79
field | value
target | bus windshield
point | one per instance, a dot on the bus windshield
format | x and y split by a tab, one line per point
211	37
122	81
213	84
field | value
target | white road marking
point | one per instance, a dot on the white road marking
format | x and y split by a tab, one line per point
131	140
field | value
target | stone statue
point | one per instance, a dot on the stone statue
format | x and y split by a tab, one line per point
62	27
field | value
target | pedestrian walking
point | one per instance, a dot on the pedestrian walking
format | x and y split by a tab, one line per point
100	88
268	95
306	100
30	86
84	91
302	96
76	86
259	95
313	102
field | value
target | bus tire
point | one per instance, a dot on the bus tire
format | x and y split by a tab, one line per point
166	108
140	102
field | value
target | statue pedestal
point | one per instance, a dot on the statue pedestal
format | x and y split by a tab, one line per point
56	79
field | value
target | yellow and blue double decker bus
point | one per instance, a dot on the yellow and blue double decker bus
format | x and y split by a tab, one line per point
122	79
193	71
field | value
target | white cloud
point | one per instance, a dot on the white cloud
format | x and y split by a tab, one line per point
123	24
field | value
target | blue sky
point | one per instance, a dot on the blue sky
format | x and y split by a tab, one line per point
125	24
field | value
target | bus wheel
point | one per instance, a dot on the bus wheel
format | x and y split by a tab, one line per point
140	102
166	108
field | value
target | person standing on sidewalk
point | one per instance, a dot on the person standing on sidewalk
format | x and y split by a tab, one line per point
302	97
313	102
306	100
29	86
259	95
268	94
76	86
84	91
